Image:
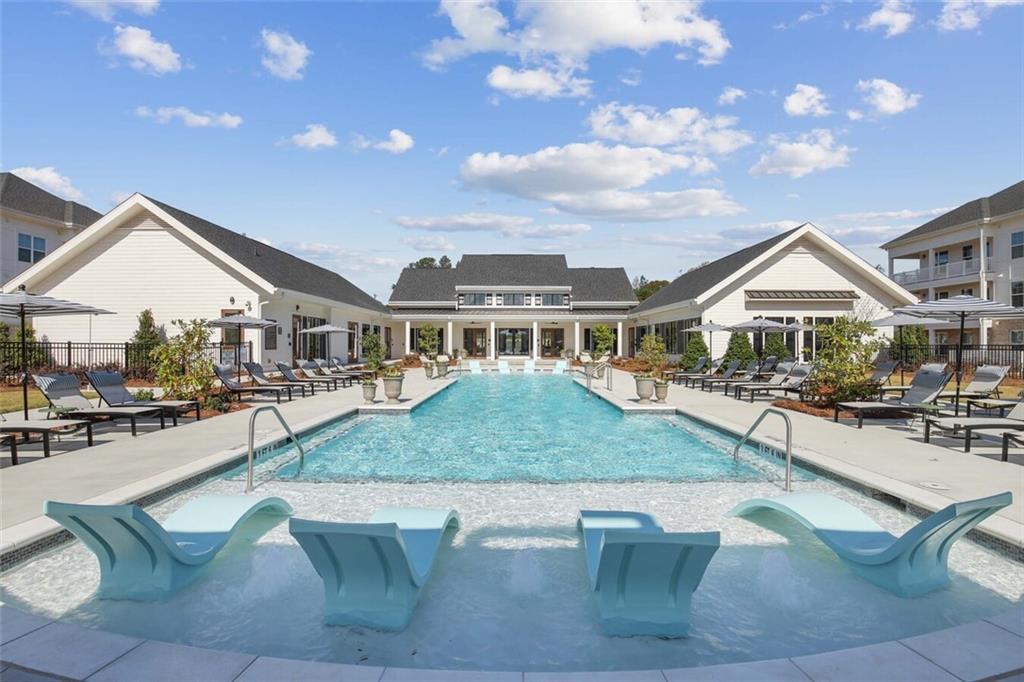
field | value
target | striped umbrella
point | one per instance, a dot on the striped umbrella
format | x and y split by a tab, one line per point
710	328
961	308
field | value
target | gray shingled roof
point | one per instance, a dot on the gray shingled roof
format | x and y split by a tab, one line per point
695	282
1004	201
278	267
483	313
21	195
438	284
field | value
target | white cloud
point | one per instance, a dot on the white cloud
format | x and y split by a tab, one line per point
810	15
119	196
503	224
49	179
143	51
316	136
759	231
684	127
592	179
966	15
107	10
434	242
868	234
886	98
809	152
792	195
398	142
338	257
894	16
190	118
730	95
541	83
901	214
806	100
631	77
854	114
284	56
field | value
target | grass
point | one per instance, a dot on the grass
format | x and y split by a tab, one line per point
10	398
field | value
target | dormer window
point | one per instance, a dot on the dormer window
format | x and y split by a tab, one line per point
473	299
554	299
514	299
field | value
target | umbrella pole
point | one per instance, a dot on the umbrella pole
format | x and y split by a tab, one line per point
903	355
238	354
959	365
24	363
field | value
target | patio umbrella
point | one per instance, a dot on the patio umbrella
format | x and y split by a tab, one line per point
961	308
758	325
710	328
23	304
239	322
326	329
900	321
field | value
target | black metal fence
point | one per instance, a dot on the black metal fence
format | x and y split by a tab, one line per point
974	355
132	359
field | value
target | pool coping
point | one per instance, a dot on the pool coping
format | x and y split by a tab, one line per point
991	648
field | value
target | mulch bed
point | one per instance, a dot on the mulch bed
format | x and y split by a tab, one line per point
824	412
233	407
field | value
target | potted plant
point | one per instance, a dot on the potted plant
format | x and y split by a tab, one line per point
652	353
429	338
441	363
604	339
393	384
369	389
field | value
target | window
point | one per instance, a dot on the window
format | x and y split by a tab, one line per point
270	337
969	291
1017	337
942	295
30	249
1017	294
967	252
1017	245
552	299
942	258
513	299
474	299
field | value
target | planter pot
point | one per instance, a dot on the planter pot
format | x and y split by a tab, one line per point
369	393
442	369
429	369
660	392
644	389
393	389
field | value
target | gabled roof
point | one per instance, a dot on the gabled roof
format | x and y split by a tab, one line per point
19	194
418	285
1002	202
692	284
278	267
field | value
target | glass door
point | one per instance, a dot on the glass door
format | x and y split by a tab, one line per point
513	341
474	342
552	343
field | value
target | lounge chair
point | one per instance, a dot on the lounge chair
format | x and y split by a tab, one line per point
985	383
883	371
794	382
112	391
749	374
292	378
909	566
9	431
925	388
691	379
235	387
260	378
529	367
782	371
474	367
767	367
698	368
330	368
927	369
1011	422
313	371
373	572
342	368
644	577
143	559
503	367
560	367
65	398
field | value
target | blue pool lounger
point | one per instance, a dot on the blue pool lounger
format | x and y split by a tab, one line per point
503	367
909	566
373	572
142	559
474	367
529	367
559	367
644	577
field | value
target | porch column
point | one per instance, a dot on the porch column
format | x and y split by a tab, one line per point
618	339
576	337
408	337
493	345
448	339
534	342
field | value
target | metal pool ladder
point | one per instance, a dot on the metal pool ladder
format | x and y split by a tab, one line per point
607	367
252	437
789	442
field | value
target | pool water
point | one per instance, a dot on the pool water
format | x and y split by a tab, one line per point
522	428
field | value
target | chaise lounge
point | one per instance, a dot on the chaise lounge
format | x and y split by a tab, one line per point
65	398
112	391
911	565
1011	422
260	378
46	428
925	387
231	385
794	382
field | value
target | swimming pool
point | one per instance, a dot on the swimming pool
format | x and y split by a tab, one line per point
510	589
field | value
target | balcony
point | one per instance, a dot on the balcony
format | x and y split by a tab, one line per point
960	268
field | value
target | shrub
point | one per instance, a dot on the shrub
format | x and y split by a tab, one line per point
428	340
775	344
218	403
148	334
848	349
604	339
183	367
373	350
144	394
652	353
11	359
695	349
915	340
739	348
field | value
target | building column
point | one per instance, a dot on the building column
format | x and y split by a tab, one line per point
892	264
576	337
618	338
535	342
448	344
492	347
408	337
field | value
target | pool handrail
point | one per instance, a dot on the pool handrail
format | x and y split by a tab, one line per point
789	442
252	437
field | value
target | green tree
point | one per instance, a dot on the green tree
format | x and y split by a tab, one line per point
652	353
425	263
739	348
604	339
695	349
147	334
915	340
775	344
644	288
183	366
844	361
11	338
444	262
373	350
428	340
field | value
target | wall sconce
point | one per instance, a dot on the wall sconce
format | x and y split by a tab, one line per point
248	305
296	306
231	300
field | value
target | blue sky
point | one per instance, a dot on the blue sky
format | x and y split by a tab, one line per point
651	136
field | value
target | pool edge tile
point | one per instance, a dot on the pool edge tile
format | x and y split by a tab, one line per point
15	623
972	651
431	675
271	669
608	675
162	660
772	670
68	650
903	664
